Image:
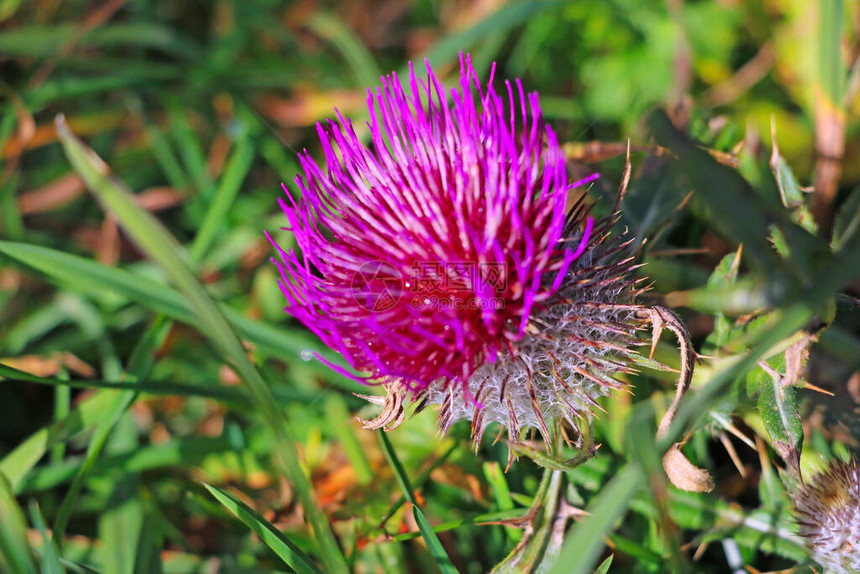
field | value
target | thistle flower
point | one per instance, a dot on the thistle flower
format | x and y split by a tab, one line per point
828	511
447	260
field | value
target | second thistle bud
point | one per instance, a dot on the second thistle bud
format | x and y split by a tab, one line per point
828	511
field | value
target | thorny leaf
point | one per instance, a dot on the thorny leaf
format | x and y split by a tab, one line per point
775	383
792	197
795	360
778	408
790	191
738	211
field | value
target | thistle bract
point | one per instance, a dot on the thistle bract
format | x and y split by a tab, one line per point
448	258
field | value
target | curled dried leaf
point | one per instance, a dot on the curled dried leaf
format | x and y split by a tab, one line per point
681	472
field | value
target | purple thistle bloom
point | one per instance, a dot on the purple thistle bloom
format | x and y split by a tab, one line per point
441	257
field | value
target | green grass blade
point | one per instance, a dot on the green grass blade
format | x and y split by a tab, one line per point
291	554
62	406
11	222
433	545
399	471
50	557
499	486
190	149
120	523
15	555
161	149
150	545
151	236
231	181
831	70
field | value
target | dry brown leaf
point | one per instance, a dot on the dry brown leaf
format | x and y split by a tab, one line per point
158	198
306	107
683	473
54	195
47	133
49	366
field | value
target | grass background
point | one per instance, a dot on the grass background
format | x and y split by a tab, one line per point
135	426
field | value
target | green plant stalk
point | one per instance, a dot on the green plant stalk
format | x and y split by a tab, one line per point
531	556
62	406
157	242
443	562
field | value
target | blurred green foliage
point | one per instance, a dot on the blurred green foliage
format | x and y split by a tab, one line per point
125	423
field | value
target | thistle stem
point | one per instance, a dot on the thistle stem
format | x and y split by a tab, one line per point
538	523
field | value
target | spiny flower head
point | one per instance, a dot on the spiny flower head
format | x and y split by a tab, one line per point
444	257
828	511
